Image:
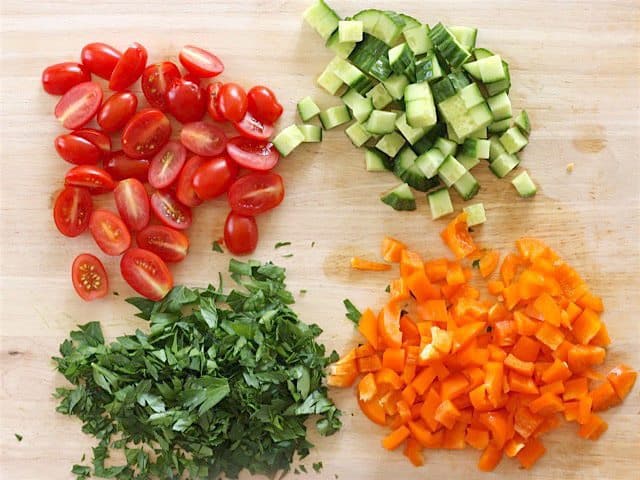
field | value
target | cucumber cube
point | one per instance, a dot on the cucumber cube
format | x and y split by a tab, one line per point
357	134
328	79
418	39
307	109
500	106
503	164
451	171
466	161
475	214
524	185
412	134
440	203
311	133
374	161
495	148
334	116
400	198
288	140
350	30
381	122
396	85
491	69
379	96
429	162
500	126
447	147
391	144
523	123
513	140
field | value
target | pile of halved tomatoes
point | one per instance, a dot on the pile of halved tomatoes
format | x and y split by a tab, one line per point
199	164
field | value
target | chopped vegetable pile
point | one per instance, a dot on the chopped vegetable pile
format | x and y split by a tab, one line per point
220	382
443	368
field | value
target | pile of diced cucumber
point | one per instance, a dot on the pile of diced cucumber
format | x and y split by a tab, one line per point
426	104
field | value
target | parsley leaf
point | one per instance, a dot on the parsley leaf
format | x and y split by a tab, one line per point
476	263
18	437
216	247
353	313
281	244
317	466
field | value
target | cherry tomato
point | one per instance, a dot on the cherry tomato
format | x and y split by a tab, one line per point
121	167
253	154
132	203
200	62
170	211
186	101
109	232
166	165
169	244
72	211
79	105
98	138
250	127
146	273
240	233
203	138
116	111
263	105
78	150
184	188
59	78
156	81
89	277
256	193
129	67
190	77
232	102
214	176
212	101
146	133
100	58
93	178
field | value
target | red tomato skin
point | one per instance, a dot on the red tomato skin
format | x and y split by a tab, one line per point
152	126
59	78
170	211
244	197
212	100
184	187
129	67
186	101
77	201
214	177
132	203
240	234
109	232
98	138
116	111
100	58
263	105
89	277
253	154
251	127
156	81
166	165
200	62
93	178
169	244
203	138
136	259
232	102
121	167
77	150
78	105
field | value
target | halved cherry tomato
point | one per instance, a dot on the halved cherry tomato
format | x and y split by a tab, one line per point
170	211
121	167
250	127
212	100
132	203
200	62
98	138
253	154
72	211
93	178
186	101
263	105
129	67
100	58
116	111
203	138
79	105
109	232
169	244
146	133
146	273
232	102
240	233
214	177
256	193
59	78
184	188
89	277
77	150
166	165
156	81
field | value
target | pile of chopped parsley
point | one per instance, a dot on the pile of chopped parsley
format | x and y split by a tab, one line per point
219	383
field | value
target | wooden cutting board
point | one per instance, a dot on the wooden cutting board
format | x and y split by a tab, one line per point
575	68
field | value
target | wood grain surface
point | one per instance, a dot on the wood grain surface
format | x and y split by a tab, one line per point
575	67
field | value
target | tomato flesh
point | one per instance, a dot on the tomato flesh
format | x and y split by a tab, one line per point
129	67
146	133
200	62
251	127
184	188
78	105
121	167
232	102
98	138
132	203
166	165
116	111
146	273
100	58
58	79
186	101
253	154
72	210
94	179
212	101
109	232
256	193
214	177
89	277
169	244
203	138
156	81
263	105
240	234
77	150
170	211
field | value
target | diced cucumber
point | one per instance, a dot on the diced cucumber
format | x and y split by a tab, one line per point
374	160
429	162
395	85
500	106
371	56
409	22
352	76
307	109
421	110
328	79
465	35
446	146
311	133
476	118
391	143
340	49
480	53
495	148
406	169
450	171
451	134
476	148
360	106
369	18
418	39
475	214
500	86
322	18
500	126
440	203
503	164
473	69
334	116
450	85
428	68
400	198
379	96
459	104
400	57
523	123
524	185
448	46
467	161
513	140
350	31
288	140
404	160
357	134
381	122
481	133
429	138
412	134
490	69
467	186
388	28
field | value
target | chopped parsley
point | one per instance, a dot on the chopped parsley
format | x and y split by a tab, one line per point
476	263
288	255
317	466
353	313
281	244
18	437
216	247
